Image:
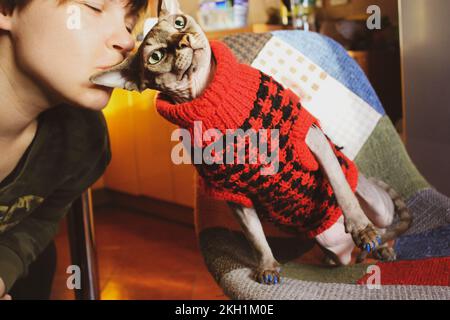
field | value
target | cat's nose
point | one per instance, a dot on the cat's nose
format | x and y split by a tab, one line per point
184	42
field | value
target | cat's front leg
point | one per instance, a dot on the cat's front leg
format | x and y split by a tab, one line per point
356	222
268	270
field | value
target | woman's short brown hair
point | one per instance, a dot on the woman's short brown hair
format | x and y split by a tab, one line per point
9	5
137	6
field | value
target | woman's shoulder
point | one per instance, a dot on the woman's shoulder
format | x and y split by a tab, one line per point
67	116
84	132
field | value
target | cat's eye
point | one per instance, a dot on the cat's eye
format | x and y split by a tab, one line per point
156	57
180	22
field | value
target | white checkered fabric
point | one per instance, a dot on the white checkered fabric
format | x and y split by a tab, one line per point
345	118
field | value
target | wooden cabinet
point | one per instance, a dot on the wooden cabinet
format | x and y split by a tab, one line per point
141	147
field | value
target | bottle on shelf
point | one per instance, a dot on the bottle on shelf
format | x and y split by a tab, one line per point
300	14
223	14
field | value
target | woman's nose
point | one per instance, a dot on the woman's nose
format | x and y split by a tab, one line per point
122	41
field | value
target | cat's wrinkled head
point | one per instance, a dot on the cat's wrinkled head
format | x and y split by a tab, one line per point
174	56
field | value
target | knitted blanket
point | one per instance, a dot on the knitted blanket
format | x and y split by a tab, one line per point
335	91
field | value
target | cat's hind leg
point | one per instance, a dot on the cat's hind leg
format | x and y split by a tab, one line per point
378	207
381	203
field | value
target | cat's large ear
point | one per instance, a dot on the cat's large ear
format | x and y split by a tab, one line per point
123	75
169	7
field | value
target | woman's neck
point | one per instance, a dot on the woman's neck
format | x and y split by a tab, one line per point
22	100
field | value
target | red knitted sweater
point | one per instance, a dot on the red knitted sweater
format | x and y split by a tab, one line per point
298	196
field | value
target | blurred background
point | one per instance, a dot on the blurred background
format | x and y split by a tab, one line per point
143	204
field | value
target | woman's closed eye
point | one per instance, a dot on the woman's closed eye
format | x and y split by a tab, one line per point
99	7
95	6
130	27
130	24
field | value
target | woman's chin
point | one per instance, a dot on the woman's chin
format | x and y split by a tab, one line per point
95	98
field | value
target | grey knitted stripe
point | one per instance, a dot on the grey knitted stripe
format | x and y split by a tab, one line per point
238	285
430	210
247	46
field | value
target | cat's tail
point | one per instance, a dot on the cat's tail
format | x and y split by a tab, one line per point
404	217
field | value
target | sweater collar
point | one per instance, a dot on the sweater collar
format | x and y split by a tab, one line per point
225	102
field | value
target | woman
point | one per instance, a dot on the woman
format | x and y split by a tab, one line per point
53	137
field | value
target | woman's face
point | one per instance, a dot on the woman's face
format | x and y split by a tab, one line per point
61	45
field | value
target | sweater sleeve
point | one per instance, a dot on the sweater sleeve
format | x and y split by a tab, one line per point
22	244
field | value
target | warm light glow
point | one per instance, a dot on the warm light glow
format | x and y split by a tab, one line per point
175	286
123	99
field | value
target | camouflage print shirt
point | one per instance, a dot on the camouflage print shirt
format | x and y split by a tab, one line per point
70	151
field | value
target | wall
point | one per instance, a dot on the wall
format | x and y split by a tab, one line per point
426	74
354	7
359	7
189	7
257	9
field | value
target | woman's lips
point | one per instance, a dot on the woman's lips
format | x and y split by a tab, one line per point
109	66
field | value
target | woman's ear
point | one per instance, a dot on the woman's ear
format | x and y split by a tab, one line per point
5	18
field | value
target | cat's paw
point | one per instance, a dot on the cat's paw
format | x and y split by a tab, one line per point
385	254
365	237
269	275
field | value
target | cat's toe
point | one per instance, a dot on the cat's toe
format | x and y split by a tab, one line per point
269	276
